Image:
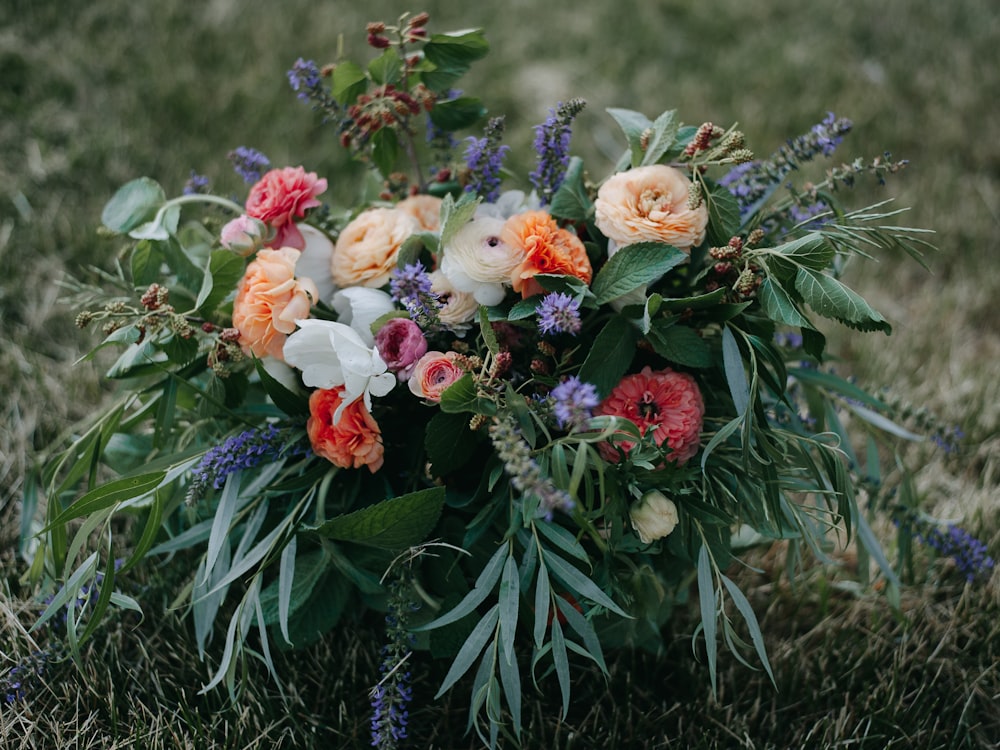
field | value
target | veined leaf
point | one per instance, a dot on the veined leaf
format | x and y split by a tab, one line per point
487	579
736	376
107	495
470	649
394	524
779	306
610	356
632	267
832	299
131	204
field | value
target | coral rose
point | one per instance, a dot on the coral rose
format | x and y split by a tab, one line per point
367	248
649	204
280	197
666	403
426	209
269	299
547	249
352	441
433	373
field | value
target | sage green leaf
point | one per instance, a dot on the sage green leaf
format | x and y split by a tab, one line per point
832	299
108	495
779	306
633	125
723	216
679	344
225	269
571	201
222	522
394	524
585	630
133	203
562	538
610	356
744	608
510	679
661	136
414	245
576	581
708	604
455	215
470	650
348	82
561	661
633	267
385	150
510	594
306	571
543	600
736	376
463	396
458	113
487	579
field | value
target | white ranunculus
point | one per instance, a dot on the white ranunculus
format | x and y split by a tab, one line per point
359	307
314	262
654	516
332	355
478	262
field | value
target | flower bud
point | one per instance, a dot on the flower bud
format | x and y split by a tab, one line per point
654	516
243	235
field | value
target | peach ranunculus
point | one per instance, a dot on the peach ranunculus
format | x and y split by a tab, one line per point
478	261
547	249
367	248
666	403
433	373
355	440
280	197
269	299
649	204
426	209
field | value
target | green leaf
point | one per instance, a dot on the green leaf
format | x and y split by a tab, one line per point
463	396
108	495
487	579
348	82
145	263
610	356
723	216
543	601
662	134
387	67
225	269
634	266
451	55
779	306
561	663
470	650
393	524
510	594
812	251
385	150
633	124
320	612
571	201
576	581
449	442
455	114
455	215
306	571
736	376
832	299
744	608
709	606
132	204
585	630
291	403
679	344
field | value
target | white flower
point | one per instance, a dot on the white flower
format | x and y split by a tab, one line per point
478	262
509	203
314	262
654	516
359	307
332	355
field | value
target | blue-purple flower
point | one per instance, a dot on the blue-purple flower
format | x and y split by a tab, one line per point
484	159
558	313
552	139
574	402
249	163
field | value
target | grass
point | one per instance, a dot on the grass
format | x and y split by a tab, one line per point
94	94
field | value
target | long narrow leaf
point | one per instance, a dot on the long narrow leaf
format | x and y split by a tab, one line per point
484	585
709	608
576	581
470	649
751	620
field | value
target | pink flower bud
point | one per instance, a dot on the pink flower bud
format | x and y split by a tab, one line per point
243	235
400	343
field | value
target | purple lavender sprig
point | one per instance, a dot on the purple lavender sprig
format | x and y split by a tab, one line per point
969	554
552	139
574	402
558	313
410	286
524	472
391	696
249	163
24	676
196	184
484	159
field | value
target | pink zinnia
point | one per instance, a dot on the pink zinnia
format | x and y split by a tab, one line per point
280	197
665	402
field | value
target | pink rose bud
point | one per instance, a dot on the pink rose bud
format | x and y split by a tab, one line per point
243	235
400	343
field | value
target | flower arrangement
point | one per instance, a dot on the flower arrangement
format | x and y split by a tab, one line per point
521	418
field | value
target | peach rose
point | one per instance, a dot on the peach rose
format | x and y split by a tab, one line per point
433	373
426	209
269	299
367	247
280	197
354	441
650	204
547	249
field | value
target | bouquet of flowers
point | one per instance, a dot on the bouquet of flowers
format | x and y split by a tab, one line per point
521	417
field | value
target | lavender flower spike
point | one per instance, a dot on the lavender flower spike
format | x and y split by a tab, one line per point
559	313
552	146
484	158
249	163
574	403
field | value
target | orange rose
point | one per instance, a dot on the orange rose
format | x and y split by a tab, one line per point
354	441
426	209
547	249
367	248
269	299
433	373
650	204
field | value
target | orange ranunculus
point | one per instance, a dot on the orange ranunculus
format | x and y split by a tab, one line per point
354	441
650	204
547	249
269	299
367	248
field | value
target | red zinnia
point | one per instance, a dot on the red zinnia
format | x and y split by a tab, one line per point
665	402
